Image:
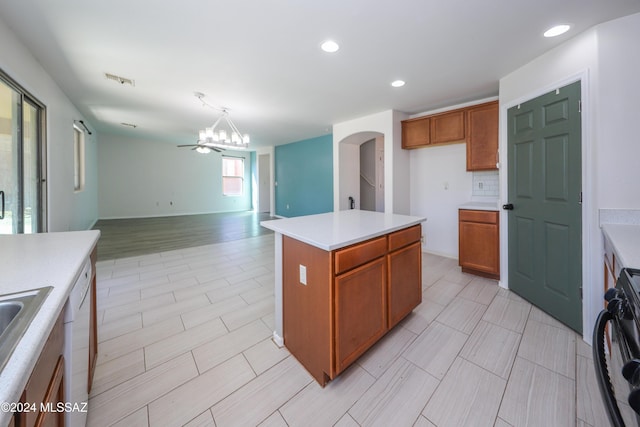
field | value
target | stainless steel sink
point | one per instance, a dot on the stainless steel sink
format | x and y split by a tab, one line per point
16	313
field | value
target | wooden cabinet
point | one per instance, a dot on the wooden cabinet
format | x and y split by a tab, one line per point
46	383
479	242
448	127
416	132
337	304
476	125
482	138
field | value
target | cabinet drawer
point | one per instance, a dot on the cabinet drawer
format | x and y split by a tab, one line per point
361	253
488	217
404	237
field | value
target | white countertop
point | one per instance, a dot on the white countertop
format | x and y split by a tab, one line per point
334	230
31	261
625	238
480	206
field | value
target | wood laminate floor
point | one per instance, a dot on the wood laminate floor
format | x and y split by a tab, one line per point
121	238
185	340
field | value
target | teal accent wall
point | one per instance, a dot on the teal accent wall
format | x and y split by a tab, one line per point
304	177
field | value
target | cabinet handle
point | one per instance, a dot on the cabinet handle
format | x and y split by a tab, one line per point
2	198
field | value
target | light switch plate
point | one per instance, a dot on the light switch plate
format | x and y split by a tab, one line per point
303	274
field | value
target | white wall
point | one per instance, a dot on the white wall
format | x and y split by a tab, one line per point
439	184
142	178
396	162
66	209
607	60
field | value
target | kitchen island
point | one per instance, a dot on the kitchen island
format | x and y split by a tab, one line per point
31	261
343	280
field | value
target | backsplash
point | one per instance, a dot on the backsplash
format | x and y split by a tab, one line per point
486	183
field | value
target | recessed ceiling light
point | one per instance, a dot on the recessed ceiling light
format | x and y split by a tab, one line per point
557	30
330	46
397	83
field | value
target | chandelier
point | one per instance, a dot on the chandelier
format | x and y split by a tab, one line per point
217	136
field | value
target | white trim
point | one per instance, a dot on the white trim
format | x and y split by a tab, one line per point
588	190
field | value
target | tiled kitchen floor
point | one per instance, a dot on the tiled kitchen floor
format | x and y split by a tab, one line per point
185	339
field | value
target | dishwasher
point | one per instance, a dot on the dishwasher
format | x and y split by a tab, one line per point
76	349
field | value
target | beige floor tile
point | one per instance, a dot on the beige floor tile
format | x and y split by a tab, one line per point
542	317
536	396
248	314
442	292
126	398
423	422
492	347
160	351
508	313
270	321
258	399
551	347
133	307
158	314
138	418
110	374
217	351
462	315
264	355
315	406
468	395
123	344
168	287
397	398
274	420
436	348
257	294
589	405
118	327
190	399
223	293
117	299
346	421
203	420
583	349
422	316
212	311
133	285
502	423
480	290
379	357
199	289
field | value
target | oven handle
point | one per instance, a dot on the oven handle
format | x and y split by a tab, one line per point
602	373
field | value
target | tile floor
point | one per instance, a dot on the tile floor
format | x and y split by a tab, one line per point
185	339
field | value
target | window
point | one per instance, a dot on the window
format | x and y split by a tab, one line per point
78	159
232	176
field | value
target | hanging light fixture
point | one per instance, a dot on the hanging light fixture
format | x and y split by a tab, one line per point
217	135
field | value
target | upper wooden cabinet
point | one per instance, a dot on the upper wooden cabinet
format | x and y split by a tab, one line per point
482	138
416	132
448	127
476	125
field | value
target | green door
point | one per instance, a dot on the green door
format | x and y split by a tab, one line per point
545	223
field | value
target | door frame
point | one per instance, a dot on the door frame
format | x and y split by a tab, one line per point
591	291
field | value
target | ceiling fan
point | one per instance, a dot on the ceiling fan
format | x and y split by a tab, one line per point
203	147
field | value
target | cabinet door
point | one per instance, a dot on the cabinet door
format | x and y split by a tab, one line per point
415	132
482	141
405	282
479	248
360	311
448	127
54	395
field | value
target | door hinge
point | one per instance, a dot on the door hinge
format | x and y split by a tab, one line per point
580	201
579	105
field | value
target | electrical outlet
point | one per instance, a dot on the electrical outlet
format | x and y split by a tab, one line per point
303	274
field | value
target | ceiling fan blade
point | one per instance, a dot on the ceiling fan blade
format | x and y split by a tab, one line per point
189	145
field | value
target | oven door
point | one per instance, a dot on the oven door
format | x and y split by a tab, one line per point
614	388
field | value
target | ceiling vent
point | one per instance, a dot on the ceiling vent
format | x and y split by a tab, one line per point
121	80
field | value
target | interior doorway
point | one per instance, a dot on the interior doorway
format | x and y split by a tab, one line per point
264	183
372	175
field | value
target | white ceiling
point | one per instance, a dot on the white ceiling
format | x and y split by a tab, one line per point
261	58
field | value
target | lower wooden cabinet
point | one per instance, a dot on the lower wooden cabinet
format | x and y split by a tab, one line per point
351	297
479	242
46	384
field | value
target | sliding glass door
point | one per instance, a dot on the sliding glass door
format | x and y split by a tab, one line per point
22	189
